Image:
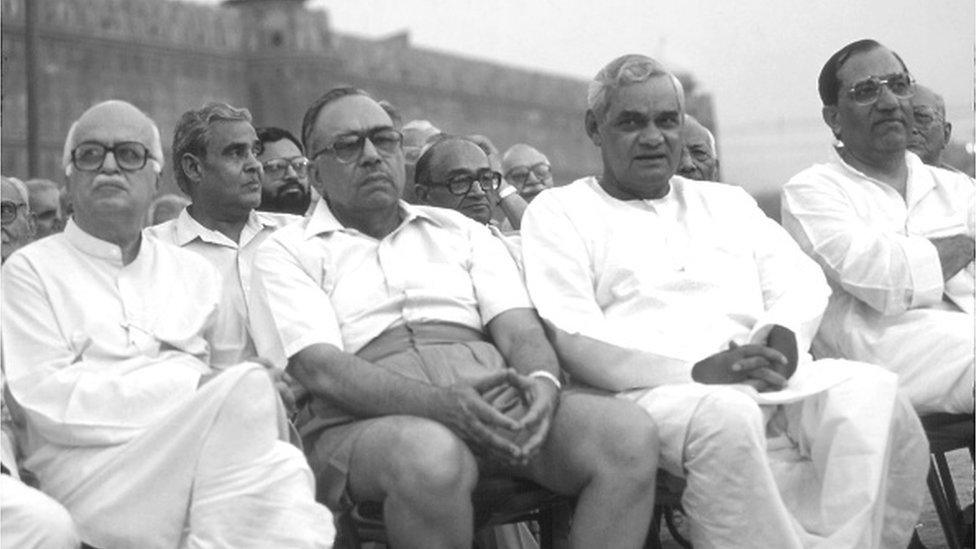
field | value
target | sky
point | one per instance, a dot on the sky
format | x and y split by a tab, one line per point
758	58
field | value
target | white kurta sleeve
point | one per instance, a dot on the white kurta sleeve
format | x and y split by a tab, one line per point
300	308
890	272
794	289
73	398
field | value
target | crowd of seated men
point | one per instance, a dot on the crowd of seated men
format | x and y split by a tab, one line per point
239	365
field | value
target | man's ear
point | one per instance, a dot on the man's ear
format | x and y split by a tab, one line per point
192	167
947	129
592	128
420	191
830	117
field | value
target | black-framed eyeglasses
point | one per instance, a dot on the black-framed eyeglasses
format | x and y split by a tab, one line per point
277	167
867	91
9	211
348	147
129	155
520	175
462	183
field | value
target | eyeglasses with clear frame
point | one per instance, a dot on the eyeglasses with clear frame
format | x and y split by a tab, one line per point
520	175
347	148
461	184
130	156
277	167
867	91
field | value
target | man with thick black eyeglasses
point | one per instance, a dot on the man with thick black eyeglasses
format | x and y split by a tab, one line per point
455	173
107	338
893	235
427	365
284	182
17	228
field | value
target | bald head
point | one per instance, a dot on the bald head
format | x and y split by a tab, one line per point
699	160
112	188
455	172
931	132
526	169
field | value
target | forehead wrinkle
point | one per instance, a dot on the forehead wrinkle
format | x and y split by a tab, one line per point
348	115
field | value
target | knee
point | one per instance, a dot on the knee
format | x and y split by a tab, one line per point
252	398
625	447
430	459
727	414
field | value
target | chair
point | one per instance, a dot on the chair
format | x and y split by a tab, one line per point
667	507
496	501
947	432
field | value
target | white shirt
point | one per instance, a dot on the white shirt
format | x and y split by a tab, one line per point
96	351
872	243
326	283
679	277
241	320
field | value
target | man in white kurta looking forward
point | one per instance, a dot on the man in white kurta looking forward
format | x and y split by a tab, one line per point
106	346
893	235
682	296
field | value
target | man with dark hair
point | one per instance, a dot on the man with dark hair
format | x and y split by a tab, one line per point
411	328
284	182
685	298
699	159
107	340
893	235
931	132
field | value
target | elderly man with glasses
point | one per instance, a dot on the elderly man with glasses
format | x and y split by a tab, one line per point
932	131
893	235
427	366
699	158
18	224
107	341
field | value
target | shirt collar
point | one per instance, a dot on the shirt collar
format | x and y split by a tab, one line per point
91	245
323	221
189	229
915	187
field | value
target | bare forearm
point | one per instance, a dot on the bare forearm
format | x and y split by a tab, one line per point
614	368
519	337
359	386
513	206
955	252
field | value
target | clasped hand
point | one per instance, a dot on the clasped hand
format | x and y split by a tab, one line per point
505	415
759	366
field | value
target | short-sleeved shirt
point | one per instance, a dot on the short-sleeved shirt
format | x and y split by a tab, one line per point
240	320
326	283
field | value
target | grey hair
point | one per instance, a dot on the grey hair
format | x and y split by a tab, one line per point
155	143
708	132
21	189
192	134
627	69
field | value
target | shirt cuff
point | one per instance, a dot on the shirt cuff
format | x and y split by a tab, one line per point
926	272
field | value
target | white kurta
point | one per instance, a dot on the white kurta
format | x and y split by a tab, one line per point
104	359
681	277
890	305
240	319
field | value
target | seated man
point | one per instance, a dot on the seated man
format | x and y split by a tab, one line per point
410	327
931	131
106	349
527	169
653	282
456	173
284	180
893	235
699	159
221	223
17	222
45	204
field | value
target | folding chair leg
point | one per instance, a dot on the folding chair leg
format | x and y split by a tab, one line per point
948	510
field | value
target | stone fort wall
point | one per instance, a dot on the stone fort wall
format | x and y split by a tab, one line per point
273	57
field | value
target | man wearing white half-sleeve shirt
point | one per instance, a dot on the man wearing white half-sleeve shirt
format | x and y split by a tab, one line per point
893	235
106	347
412	330
682	296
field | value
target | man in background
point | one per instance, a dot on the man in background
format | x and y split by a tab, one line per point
284	181
699	159
17	222
45	204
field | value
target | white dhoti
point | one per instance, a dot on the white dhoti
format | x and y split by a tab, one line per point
32	519
217	472
842	468
931	350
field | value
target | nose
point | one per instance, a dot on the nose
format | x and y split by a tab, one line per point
370	154
887	99
251	164
476	189
110	166
651	135
685	164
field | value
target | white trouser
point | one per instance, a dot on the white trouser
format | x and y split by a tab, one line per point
32	520
844	468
